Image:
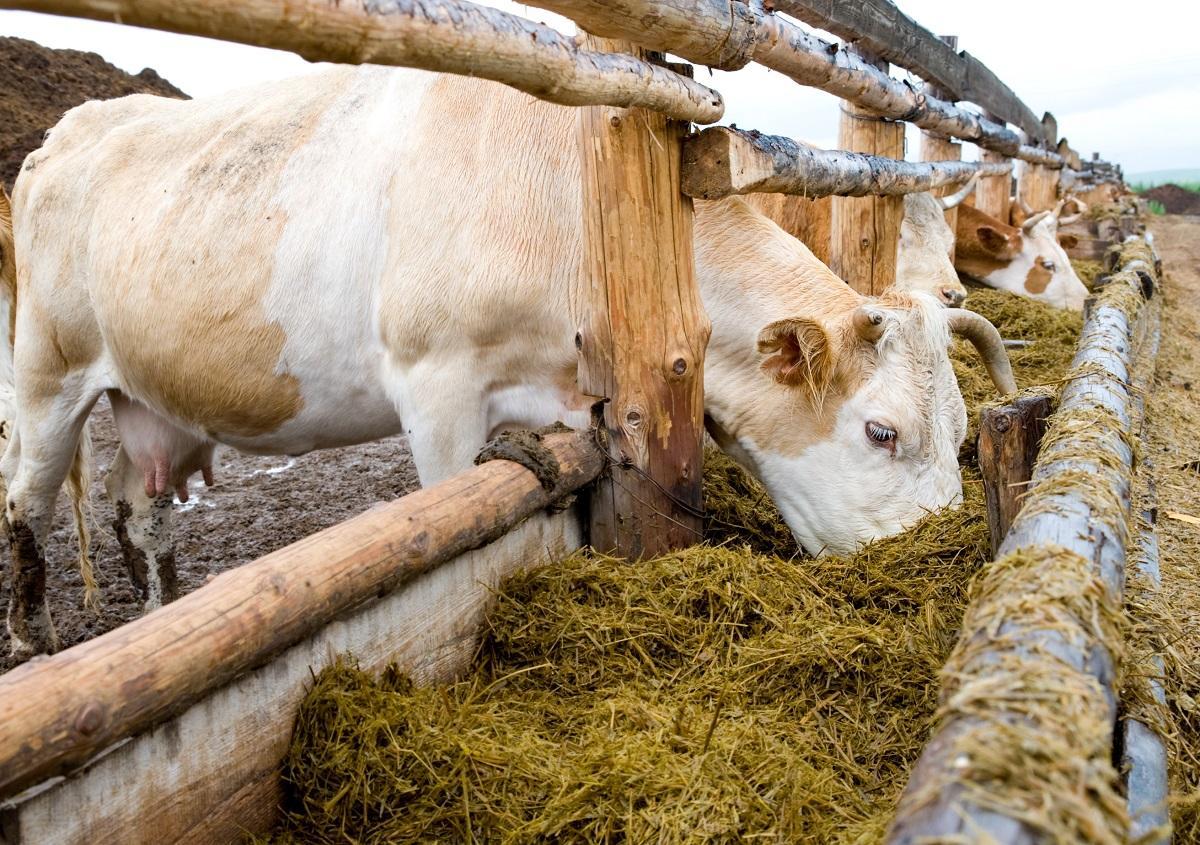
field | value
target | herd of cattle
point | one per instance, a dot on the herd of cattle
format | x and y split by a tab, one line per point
361	252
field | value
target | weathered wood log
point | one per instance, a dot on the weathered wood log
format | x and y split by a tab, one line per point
1070	537
728	35
1039	156
879	26
939	148
59	711
643	330
1009	438
452	36
994	196
865	234
1037	186
721	162
213	773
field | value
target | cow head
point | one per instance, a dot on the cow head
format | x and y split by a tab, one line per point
923	260
1028	260
854	424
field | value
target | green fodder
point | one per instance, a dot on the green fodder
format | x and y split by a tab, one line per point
709	695
1087	271
730	692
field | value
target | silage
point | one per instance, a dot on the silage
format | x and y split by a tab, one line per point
725	693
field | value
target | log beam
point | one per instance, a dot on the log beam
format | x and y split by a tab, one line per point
452	36
643	330
1009	438
1037	661
722	162
994	196
728	36
60	711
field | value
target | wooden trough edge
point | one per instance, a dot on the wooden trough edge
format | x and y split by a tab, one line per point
451	36
61	711
723	161
728	36
1073	525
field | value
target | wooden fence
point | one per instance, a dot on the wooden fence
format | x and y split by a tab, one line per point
125	713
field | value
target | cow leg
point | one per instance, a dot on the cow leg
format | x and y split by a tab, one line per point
446	422
36	462
151	468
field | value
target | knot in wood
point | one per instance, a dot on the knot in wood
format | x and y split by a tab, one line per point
90	718
679	367
579	340
615	122
1002	423
633	418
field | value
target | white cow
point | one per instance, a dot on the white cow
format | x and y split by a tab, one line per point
363	251
1029	260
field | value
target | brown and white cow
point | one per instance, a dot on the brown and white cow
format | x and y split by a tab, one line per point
1028	260
364	251
922	252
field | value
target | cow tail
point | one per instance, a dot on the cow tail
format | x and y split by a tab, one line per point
79	477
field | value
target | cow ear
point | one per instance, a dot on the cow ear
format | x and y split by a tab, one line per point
798	353
993	240
1068	241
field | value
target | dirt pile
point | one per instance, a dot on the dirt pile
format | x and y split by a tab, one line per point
38	84
1174	199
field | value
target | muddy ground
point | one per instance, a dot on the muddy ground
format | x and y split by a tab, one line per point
258	504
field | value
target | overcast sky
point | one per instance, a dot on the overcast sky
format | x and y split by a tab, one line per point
1122	79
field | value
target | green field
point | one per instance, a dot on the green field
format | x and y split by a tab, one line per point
1184	177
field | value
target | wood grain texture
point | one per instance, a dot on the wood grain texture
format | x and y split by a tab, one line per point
212	773
1009	438
721	161
866	231
643	329
937	148
881	27
727	35
1037	186
452	36
994	196
60	711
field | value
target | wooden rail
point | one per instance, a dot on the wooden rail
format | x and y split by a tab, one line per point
60	711
1075	516
452	36
730	35
721	162
880	27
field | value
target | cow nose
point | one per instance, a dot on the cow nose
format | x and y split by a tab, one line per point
953	297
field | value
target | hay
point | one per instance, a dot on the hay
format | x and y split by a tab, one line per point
1087	271
730	692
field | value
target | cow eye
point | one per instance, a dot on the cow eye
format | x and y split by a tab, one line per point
880	434
1049	265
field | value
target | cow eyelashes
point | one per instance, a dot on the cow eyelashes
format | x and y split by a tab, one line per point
880	434
1049	265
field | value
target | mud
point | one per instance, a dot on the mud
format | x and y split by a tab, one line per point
258	504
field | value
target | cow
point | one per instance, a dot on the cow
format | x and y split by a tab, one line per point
924	246
366	251
1028	260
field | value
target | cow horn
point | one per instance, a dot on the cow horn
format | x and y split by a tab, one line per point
1028	225
987	341
955	199
1026	207
869	323
1080	205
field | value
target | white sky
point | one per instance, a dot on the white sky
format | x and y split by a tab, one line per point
1122	79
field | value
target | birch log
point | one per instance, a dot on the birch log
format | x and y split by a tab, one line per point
728	36
452	36
721	162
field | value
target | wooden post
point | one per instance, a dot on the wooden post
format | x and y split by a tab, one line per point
1038	184
939	147
865	232
993	196
643	329
1009	438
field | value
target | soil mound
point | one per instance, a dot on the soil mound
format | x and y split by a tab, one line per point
1174	199
38	84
